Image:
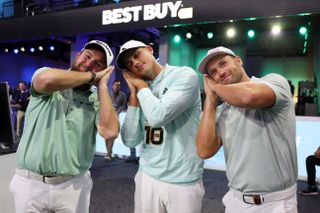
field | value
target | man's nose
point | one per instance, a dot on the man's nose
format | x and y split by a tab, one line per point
135	63
89	63
221	72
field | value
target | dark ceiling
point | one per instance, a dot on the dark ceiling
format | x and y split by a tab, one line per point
289	43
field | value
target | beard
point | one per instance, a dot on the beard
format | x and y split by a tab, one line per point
83	87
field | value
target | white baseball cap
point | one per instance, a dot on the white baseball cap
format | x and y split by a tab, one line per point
210	54
104	46
129	45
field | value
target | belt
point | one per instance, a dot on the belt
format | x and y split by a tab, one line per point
257	199
48	179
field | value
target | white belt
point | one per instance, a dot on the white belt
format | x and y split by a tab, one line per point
258	199
49	179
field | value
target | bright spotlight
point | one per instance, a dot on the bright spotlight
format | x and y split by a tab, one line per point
251	33
177	38
16	51
209	35
302	30
31	49
276	30
22	49
231	32
188	35
51	48
40	48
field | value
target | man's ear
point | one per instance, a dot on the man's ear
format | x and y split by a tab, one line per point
150	49
77	55
239	60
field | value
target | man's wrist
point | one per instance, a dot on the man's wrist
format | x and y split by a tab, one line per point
142	85
93	78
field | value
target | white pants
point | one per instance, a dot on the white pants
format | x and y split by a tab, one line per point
153	196
72	196
289	205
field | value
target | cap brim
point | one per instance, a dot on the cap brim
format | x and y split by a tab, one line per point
119	59
203	63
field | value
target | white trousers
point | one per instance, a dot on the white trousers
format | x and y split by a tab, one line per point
72	196
153	196
288	205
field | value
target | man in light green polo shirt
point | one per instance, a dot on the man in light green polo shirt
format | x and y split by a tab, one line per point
255	124
66	110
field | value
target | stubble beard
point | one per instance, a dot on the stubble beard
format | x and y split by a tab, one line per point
83	87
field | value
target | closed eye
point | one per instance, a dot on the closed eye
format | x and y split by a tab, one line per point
211	72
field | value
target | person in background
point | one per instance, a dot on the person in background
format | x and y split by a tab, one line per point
119	102
255	124
311	162
163	113
21	101
66	110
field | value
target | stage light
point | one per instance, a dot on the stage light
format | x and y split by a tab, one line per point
188	35
6	50
51	48
176	38
40	48
16	51
303	30
22	49
251	33
209	35
231	32
276	29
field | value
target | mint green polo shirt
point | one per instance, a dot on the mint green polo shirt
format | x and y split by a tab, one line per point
60	132
260	144
166	124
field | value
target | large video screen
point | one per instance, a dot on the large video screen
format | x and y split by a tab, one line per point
6	131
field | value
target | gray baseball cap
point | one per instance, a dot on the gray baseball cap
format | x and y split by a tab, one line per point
210	54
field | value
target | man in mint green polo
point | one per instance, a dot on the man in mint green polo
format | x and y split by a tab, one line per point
255	124
66	110
163	115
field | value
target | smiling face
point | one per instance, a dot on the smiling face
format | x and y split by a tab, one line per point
226	69
142	63
89	59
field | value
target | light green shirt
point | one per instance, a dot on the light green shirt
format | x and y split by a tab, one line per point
166	123
259	144
59	133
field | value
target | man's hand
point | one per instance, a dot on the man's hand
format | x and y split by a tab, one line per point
134	82
103	76
211	95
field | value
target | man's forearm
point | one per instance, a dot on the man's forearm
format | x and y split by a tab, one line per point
55	79
108	122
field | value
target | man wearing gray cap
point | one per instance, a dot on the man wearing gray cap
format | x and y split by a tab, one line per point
163	114
66	110
255	124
